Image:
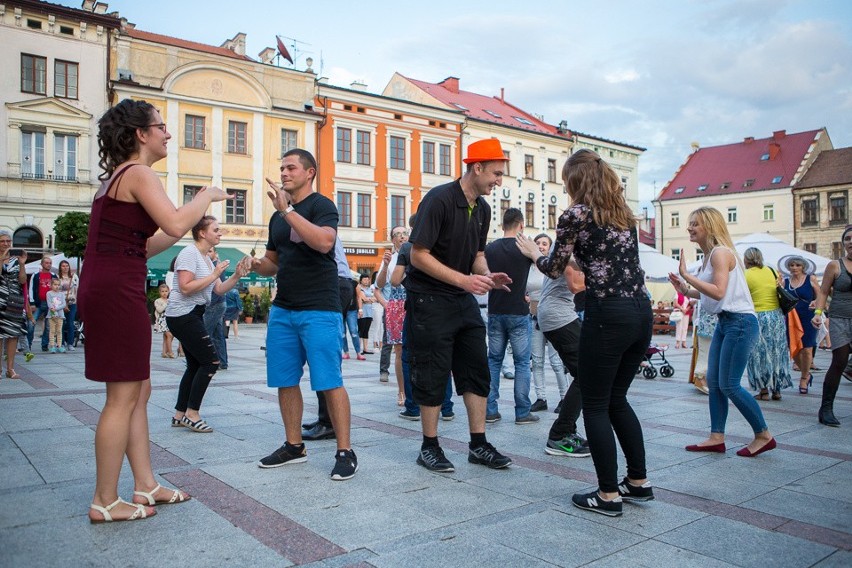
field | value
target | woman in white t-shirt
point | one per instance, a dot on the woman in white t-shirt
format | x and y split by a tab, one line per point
721	286
195	279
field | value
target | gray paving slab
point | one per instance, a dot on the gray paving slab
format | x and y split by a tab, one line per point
745	545
832	483
821	511
656	554
840	559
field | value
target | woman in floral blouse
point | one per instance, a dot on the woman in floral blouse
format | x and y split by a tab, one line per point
599	231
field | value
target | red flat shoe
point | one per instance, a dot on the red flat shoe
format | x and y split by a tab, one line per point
744	452
715	448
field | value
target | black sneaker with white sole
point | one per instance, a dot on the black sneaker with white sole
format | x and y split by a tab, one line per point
346	466
284	455
433	459
488	455
593	502
630	492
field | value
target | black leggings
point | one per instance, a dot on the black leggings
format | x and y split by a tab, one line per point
201	359
839	359
566	341
364	327
615	335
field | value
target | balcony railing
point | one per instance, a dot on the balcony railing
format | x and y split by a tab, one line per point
49	177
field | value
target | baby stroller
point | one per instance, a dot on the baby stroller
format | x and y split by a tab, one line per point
79	336
647	368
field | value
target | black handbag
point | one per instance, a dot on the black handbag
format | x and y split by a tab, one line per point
786	299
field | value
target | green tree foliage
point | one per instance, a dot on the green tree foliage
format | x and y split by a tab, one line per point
72	232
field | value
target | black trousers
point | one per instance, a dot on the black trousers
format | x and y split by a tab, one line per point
615	335
566	341
201	359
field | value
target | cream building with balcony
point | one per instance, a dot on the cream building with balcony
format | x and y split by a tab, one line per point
54	88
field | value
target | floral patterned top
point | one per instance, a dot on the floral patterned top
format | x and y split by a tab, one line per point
608	257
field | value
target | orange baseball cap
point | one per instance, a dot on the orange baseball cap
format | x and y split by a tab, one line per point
485	151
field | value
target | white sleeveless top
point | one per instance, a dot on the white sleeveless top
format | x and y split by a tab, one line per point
737	298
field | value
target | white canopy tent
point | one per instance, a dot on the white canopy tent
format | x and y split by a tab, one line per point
35	266
774	250
657	267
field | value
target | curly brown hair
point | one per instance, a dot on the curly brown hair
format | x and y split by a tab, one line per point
592	182
117	133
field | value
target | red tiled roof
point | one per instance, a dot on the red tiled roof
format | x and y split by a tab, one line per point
488	109
831	167
177	42
739	168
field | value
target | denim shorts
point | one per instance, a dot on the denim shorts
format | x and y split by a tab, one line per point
294	338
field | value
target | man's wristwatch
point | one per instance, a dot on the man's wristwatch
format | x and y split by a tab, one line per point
286	211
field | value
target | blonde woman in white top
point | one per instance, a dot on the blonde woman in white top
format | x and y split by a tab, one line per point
721	287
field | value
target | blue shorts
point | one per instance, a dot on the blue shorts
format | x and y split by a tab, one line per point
296	337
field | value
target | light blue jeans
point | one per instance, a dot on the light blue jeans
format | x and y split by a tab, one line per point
730	348
539	345
514	330
352	324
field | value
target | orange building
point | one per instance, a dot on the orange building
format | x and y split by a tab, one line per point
377	156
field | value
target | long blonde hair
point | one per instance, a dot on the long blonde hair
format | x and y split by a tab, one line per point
717	230
592	182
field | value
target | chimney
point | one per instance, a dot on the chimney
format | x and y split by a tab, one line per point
748	140
451	84
267	55
779	134
358	86
89	5
502	100
237	44
774	150
101	7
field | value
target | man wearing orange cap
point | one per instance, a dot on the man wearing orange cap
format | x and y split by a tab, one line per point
443	325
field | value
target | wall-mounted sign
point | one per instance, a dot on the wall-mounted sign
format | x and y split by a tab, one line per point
355	250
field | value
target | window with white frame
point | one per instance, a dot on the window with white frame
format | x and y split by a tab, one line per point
428	157
397	152
732	214
344	208
676	254
289	140
235	209
65	157
364	210
397	211
445	160
65	75
699	255
769	212
362	147
237	137
32	154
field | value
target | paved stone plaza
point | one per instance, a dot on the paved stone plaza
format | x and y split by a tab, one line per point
789	507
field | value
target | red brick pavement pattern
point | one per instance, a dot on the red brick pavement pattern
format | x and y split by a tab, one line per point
283	535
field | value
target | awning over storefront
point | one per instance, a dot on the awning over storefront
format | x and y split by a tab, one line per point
158	265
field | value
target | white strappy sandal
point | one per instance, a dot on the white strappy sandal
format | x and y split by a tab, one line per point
177	496
139	514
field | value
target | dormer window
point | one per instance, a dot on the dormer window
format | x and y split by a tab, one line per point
748	183
725	185
460	107
764	157
680	189
777	179
492	113
702	187
523	120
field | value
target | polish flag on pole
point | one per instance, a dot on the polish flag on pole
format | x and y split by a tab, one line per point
282	49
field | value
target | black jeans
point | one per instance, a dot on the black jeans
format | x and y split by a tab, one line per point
566	341
615	335
201	358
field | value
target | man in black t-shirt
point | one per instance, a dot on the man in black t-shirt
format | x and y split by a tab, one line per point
509	319
443	327
303	318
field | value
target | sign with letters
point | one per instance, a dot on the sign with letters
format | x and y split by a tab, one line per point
357	250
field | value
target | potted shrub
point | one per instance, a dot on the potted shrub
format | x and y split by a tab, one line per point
264	304
248	308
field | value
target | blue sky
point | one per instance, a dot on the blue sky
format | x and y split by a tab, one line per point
660	74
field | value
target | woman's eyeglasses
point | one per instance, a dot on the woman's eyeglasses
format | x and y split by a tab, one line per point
161	126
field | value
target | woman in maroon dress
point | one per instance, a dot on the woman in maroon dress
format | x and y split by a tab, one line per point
127	212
